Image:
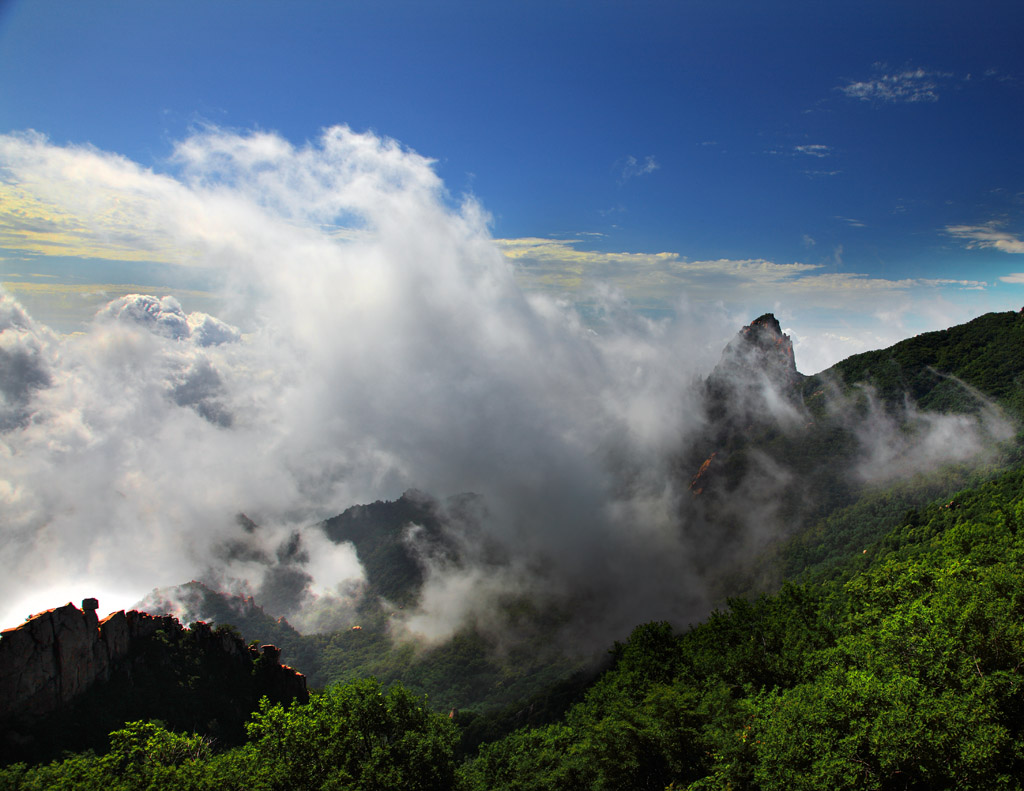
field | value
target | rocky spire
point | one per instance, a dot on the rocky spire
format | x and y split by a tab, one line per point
760	348
756	381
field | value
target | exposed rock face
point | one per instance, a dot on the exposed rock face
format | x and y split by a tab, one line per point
57	655
51	660
753	395
756	381
760	348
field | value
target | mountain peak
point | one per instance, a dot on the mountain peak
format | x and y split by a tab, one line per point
764	326
760	347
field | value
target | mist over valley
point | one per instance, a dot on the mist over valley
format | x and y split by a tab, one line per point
372	340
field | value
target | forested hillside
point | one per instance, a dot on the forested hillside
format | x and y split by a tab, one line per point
904	671
984	353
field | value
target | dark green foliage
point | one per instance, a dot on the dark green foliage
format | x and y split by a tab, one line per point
541	708
903	671
984	353
834	546
144	756
469	671
352	737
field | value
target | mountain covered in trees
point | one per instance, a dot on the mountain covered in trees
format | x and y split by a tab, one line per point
877	643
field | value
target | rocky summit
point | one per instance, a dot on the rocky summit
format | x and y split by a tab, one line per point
760	348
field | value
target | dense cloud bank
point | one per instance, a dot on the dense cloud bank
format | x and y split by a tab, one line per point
372	339
386	345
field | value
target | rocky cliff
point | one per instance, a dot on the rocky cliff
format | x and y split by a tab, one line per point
754	388
738	462
64	670
57	655
762	346
757	368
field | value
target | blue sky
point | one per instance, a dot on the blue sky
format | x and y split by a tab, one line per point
855	168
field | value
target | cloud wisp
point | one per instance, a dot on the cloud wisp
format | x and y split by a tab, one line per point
989	235
818	150
632	168
897	87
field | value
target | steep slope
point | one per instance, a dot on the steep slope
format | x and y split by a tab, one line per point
470	671
781	451
986	354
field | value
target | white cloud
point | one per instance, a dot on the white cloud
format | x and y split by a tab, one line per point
974	285
1014	277
814	150
165	317
909	85
399	352
660	280
632	167
988	235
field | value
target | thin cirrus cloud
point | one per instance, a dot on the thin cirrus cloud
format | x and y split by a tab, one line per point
35	224
633	167
649	279
906	86
657	280
814	150
988	235
71	201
